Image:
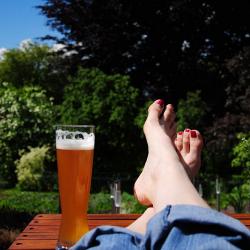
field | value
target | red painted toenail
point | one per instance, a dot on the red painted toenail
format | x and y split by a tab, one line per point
193	134
160	102
180	133
187	130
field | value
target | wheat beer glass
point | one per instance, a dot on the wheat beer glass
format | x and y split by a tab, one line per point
75	150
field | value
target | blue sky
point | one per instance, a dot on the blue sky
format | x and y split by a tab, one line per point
20	20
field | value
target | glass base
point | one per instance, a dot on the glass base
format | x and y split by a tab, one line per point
62	247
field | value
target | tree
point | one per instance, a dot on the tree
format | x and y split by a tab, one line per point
241	153
26	119
221	136
34	64
191	112
167	47
111	104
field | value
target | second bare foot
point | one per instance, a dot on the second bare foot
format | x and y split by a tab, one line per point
189	144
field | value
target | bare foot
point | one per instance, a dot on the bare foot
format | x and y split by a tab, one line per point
159	131
189	145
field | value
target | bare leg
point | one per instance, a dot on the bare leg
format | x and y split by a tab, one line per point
140	225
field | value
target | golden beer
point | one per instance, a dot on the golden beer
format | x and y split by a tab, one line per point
74	161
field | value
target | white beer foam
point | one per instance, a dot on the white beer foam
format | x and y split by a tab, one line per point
74	140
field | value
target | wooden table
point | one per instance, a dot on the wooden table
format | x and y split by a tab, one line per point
42	231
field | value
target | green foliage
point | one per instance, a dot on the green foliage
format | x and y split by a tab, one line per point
190	112
142	114
234	193
34	64
241	152
92	95
110	103
26	119
33	170
235	116
48	202
100	203
164	62
24	65
130	205
158	54
239	197
30	202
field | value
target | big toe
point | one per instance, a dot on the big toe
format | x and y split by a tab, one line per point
196	142
155	110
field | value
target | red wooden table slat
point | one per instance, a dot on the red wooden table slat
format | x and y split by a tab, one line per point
42	231
90	216
38	236
90	222
35	229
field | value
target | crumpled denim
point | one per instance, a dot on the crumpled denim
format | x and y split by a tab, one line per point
175	227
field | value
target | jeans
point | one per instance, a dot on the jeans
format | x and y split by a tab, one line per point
175	227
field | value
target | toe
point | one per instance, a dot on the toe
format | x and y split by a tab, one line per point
155	109
196	141
168	121
169	115
178	140
186	141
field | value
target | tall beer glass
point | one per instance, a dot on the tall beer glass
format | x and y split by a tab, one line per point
75	150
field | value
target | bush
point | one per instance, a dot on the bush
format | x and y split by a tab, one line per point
241	153
48	202
16	201
100	203
33	172
130	205
26	119
239	197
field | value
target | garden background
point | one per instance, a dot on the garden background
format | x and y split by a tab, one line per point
109	63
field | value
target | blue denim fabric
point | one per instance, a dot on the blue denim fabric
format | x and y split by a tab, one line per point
175	227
